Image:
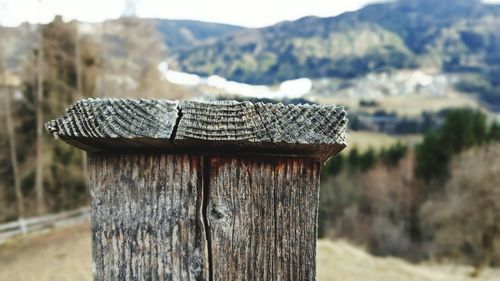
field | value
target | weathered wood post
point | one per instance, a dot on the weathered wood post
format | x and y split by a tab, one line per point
203	191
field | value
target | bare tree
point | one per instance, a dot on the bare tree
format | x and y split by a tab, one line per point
4	81
130	23
129	72
39	124
8	84
78	63
13	151
79	88
465	221
130	8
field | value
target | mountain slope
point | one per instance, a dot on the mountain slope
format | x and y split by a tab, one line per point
179	34
285	52
455	35
421	22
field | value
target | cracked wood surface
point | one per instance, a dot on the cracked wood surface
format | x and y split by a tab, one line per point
145	217
215	218
210	191
209	127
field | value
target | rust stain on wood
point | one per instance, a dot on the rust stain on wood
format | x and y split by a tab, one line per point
262	217
180	217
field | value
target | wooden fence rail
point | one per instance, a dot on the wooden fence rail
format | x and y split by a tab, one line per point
35	224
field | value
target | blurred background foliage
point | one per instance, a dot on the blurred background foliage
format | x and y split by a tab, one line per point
421	80
401	201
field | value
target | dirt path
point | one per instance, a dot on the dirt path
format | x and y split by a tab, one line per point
65	255
62	255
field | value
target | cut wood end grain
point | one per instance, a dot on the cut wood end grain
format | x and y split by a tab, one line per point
105	124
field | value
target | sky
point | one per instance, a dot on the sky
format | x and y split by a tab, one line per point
249	13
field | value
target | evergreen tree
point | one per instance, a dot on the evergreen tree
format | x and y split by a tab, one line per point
353	159
494	132
462	128
367	160
334	166
392	155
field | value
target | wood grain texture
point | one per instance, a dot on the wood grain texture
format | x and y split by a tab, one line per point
211	191
117	118
303	124
221	121
114	124
178	217
146	220
262	123
262	215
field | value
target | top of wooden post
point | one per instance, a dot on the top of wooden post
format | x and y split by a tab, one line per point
202	127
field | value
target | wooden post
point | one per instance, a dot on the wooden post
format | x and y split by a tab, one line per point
203	191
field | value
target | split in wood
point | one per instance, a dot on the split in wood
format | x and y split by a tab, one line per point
203	127
215	218
203	191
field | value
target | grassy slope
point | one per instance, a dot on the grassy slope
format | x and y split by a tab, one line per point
407	105
65	255
364	140
342	261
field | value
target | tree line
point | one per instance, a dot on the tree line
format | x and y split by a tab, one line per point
434	200
64	63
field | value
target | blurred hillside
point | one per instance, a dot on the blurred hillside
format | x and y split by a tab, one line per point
183	34
439	36
176	35
449	38
44	69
